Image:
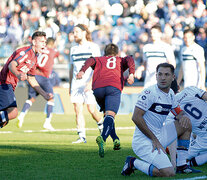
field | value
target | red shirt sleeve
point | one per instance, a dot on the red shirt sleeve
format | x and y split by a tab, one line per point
129	63
88	63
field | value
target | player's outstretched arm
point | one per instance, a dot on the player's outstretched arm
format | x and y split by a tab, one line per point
33	82
130	79
80	75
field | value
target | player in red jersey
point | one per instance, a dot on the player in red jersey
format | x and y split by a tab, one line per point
20	66
45	64
107	84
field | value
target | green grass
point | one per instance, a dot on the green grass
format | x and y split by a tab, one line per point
50	155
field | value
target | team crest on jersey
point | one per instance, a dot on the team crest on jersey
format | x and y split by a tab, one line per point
147	91
144	97
22	53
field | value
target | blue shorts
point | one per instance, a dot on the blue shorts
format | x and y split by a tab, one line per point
7	97
44	83
108	98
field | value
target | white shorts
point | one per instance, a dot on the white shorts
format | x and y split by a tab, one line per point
142	146
197	146
80	96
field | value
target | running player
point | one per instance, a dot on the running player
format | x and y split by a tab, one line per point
151	137
80	90
153	54
20	66
192	69
44	68
108	82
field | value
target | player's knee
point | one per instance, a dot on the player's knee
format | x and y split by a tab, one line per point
12	113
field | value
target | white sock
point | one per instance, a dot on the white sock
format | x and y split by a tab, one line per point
82	133
201	159
142	166
181	157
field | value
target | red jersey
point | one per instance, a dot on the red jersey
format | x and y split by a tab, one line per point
45	62
108	70
26	62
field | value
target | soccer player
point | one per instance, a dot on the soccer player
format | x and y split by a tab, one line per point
45	64
108	82
20	66
193	101
192	69
154	53
80	90
151	137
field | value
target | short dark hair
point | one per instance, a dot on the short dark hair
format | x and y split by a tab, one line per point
166	65
50	40
187	30
111	49
157	26
38	34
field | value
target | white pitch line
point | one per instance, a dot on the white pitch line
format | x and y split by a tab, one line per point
194	178
57	130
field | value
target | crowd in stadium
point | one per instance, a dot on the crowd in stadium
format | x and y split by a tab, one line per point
123	22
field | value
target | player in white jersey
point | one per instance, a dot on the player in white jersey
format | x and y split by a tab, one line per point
151	137
193	101
80	90
192	69
153	54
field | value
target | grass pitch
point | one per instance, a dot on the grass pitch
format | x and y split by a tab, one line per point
33	153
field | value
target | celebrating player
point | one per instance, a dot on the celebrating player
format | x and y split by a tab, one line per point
20	66
44	68
108	82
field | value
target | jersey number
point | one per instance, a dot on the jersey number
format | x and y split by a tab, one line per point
111	63
42	60
193	111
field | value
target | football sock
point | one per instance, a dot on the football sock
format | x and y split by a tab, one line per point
199	160
144	167
113	133
3	118
25	108
100	124
82	133
182	152
49	111
107	126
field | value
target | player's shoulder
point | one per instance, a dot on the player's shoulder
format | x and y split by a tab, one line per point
189	92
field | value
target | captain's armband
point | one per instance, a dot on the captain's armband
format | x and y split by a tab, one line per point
176	111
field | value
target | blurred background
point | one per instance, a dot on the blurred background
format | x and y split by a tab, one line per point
123	22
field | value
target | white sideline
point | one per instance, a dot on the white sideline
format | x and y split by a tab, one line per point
194	178
56	130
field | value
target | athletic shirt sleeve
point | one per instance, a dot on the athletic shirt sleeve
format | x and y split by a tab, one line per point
145	100
89	63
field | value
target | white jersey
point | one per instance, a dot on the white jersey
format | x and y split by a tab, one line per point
78	55
190	101
191	57
154	54
156	104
